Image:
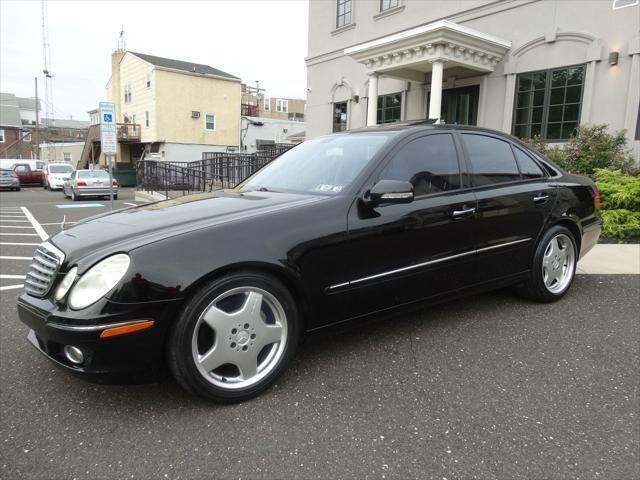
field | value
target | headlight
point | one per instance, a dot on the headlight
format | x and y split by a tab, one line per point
66	283
98	281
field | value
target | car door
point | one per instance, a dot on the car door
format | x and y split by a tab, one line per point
515	198
401	253
24	173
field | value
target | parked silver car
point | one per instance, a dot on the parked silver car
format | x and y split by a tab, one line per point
89	183
9	179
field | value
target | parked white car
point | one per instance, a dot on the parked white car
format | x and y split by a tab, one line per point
55	174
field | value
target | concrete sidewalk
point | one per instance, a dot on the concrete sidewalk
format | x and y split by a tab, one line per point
611	258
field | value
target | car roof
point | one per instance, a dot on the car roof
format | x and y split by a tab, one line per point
426	125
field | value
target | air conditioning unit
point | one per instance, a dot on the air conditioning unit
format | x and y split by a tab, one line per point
195	114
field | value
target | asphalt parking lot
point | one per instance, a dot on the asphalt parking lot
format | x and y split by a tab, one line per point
488	387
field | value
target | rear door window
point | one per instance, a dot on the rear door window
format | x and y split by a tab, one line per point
430	163
491	160
528	167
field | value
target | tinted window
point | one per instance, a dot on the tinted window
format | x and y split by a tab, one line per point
430	163
93	174
528	167
491	160
60	168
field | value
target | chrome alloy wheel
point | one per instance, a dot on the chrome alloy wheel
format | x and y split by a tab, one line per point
558	263
239	338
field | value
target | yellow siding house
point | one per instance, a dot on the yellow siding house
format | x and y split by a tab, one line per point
176	109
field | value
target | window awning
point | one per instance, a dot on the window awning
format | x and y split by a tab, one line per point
410	53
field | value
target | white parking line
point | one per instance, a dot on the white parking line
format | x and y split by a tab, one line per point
21	234
16	226
14	277
36	225
58	223
131	204
12	216
13	243
9	257
10	287
16	221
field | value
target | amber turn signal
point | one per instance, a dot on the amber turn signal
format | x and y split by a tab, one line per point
126	329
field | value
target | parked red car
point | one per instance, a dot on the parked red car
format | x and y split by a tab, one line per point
27	175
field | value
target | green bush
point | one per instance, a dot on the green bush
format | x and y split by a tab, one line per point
620	223
589	148
618	191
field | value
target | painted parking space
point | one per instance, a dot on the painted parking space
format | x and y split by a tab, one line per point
82	205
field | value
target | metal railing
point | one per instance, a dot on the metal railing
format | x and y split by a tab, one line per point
216	170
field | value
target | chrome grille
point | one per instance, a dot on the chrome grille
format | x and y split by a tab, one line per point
44	268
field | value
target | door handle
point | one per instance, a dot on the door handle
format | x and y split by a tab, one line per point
541	198
465	212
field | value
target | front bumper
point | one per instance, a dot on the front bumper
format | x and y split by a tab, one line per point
56	184
133	358
14	184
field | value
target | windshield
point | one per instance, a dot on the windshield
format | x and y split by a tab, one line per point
93	174
323	165
60	169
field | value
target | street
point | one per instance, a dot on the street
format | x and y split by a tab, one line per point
492	386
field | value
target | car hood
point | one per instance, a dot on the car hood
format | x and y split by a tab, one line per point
126	229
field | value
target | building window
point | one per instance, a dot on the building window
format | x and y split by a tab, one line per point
146	119
617	4
340	116
282	105
344	13
210	122
388	4
148	80
66	156
266	103
548	103
296	117
389	107
1	135
127	93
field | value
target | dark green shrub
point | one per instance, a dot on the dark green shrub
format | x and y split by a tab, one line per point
620	223
618	191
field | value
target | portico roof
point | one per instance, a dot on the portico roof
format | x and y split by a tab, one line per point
413	51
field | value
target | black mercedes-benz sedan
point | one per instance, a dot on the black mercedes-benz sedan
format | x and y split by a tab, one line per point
221	286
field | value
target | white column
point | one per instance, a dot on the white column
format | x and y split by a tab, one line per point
633	96
435	105
509	93
587	95
372	101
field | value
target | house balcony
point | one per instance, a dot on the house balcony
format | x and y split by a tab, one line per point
128	132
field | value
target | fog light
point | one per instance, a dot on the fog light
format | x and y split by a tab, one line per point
73	354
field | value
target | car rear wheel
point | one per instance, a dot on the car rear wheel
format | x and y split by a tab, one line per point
554	266
234	337
74	196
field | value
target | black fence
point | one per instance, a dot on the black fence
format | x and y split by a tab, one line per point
215	171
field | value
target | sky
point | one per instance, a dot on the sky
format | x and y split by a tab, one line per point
262	40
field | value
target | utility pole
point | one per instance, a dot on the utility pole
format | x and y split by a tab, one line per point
258	90
36	136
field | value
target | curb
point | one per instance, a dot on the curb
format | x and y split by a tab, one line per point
150	197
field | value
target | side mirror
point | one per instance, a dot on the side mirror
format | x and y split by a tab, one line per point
390	191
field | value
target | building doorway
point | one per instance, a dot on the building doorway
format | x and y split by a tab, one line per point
460	105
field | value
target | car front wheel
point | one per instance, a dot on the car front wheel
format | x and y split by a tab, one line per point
234	337
554	266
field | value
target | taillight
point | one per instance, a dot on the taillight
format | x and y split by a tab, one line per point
114	183
596	197
82	184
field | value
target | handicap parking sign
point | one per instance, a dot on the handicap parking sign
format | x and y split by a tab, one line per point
108	118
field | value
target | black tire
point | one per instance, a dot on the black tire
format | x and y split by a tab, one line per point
74	197
18	189
535	288
115	197
180	358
